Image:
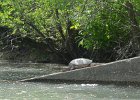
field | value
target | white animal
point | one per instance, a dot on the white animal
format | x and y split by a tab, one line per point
79	63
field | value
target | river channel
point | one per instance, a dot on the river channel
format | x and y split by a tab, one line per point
12	89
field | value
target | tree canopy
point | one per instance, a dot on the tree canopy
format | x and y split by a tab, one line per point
96	29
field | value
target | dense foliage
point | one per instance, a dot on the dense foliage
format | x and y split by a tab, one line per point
98	29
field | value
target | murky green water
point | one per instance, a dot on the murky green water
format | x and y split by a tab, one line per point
10	89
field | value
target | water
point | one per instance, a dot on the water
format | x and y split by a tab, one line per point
11	89
44	91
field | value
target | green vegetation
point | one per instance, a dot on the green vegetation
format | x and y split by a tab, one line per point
102	30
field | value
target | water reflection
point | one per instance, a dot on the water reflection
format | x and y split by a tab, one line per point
18	71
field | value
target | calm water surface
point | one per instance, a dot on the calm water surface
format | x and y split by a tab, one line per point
10	89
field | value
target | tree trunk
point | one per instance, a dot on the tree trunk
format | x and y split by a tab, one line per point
135	30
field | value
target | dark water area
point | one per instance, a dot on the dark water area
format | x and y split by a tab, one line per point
12	89
19	71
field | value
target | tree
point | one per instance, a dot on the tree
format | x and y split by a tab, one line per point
76	28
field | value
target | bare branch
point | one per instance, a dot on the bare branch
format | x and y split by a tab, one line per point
59	26
35	28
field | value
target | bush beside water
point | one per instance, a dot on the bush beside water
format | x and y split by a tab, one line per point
103	31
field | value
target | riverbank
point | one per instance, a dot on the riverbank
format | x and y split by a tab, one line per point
122	71
26	50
